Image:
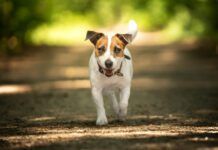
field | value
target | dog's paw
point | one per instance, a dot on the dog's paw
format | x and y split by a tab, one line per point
101	121
121	117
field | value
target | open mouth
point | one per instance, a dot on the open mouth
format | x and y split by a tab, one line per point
108	72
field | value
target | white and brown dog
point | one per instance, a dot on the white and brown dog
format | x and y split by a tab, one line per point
111	70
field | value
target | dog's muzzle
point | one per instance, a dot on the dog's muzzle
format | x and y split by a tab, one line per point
108	64
109	72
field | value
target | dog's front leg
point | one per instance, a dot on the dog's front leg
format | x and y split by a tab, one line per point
124	98
98	99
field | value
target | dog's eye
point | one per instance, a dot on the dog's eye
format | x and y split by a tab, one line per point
117	50
101	49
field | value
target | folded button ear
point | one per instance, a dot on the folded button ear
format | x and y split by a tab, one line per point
93	36
125	38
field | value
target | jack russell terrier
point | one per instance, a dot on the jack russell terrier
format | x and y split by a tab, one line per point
111	70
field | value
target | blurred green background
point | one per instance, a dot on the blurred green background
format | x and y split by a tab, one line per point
55	22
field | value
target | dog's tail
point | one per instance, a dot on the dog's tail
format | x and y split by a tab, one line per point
132	29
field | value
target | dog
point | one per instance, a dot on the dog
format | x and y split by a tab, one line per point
111	70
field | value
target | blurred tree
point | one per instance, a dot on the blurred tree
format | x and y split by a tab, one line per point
202	13
19	17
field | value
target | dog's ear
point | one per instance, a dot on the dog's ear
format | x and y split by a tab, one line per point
125	38
93	36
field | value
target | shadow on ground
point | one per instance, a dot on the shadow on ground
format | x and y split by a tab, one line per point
45	100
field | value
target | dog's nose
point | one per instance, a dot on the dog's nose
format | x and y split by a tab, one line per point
108	63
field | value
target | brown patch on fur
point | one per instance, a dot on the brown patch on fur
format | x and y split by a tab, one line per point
101	46
117	43
125	38
93	36
117	46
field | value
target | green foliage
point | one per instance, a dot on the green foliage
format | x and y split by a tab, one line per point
19	18
202	14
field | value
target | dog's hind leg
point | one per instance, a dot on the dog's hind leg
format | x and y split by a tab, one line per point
124	98
114	102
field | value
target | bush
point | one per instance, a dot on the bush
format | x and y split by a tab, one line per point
20	17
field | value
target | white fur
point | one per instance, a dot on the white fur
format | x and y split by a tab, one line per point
101	84
132	28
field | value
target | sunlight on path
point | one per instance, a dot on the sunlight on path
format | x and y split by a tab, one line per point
36	136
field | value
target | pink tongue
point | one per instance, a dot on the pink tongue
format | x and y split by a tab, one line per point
109	72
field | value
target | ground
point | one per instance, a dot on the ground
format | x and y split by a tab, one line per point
45	100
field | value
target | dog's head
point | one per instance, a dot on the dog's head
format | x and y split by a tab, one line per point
109	50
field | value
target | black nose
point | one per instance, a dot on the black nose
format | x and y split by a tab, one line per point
108	63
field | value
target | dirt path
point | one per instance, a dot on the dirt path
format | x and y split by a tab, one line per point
45	101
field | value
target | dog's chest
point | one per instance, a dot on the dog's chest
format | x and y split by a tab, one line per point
113	82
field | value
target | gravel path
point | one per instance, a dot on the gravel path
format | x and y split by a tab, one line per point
45	100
